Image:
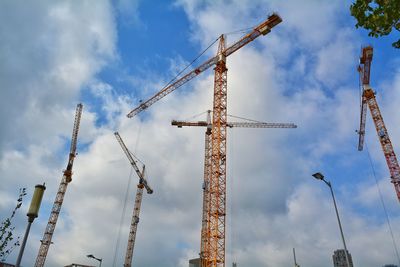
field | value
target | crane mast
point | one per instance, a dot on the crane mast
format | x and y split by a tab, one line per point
215	245
138	201
206	181
215	249
368	98
66	179
205	226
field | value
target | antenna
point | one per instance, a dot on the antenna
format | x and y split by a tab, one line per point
294	258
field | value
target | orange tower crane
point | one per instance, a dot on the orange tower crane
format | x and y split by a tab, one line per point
368	98
207	168
138	201
66	179
217	186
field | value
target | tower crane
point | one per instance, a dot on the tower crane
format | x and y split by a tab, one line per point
138	201
65	180
368	98
215	245
207	168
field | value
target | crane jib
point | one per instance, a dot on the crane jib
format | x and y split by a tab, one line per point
142	179
262	29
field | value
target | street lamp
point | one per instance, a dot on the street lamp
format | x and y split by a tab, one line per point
320	176
33	213
93	257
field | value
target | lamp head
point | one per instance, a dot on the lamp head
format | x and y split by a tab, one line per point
318	176
90	256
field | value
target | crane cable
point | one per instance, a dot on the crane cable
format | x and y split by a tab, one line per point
228	115
202	53
383	205
245	30
191	63
205	50
195	116
122	218
237	117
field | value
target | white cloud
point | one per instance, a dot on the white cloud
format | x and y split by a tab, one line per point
129	11
273	205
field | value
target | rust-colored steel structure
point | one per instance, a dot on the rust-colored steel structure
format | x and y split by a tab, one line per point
138	201
368	98
205	230
215	245
66	179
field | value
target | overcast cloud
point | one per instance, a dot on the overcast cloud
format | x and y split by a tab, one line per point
52	54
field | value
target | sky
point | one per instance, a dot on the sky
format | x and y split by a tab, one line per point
110	55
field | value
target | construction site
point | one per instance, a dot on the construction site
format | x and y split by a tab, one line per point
196	191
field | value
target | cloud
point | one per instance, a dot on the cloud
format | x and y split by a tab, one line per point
297	73
49	52
129	11
57	49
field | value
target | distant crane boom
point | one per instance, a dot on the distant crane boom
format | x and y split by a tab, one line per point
138	202
66	179
262	29
133	163
368	98
236	124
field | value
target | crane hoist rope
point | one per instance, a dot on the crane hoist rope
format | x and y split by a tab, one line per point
121	221
383	204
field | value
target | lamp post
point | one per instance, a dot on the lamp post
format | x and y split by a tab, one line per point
320	176
93	257
32	214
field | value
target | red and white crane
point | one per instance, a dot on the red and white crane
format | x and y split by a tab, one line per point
138	201
65	180
215	245
368	98
207	168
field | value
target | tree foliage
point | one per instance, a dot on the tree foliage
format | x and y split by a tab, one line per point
7	240
380	17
